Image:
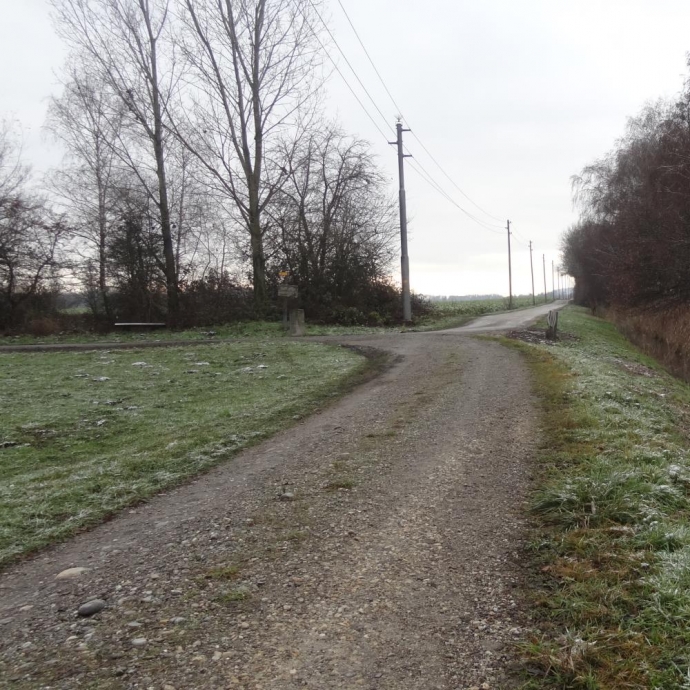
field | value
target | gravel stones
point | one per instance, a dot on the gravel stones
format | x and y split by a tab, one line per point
91	608
71	573
139	642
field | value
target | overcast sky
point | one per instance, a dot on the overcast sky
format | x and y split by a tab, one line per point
512	98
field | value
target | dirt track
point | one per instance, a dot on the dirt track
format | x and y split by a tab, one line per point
375	545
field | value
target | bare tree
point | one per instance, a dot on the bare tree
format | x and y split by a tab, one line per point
337	221
13	173
29	234
256	66
88	121
127	42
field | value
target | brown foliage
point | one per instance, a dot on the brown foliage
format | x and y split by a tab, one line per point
631	247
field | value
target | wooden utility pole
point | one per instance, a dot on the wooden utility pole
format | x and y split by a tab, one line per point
510	273
543	258
560	294
404	258
531	268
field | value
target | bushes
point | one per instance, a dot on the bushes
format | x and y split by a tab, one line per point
217	299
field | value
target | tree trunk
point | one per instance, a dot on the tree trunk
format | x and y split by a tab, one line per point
163	204
102	236
258	263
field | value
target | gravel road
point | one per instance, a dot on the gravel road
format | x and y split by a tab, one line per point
377	545
506	321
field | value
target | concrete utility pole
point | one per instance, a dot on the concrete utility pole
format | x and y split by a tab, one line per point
531	268
404	258
510	273
553	282
543	258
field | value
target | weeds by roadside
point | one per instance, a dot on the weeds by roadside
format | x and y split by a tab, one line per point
613	516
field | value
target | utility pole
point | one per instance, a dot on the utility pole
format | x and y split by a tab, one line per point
510	273
531	268
553	282
404	258
543	258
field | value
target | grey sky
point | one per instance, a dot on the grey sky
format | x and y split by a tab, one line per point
511	96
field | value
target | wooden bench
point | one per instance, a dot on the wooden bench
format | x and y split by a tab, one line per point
140	326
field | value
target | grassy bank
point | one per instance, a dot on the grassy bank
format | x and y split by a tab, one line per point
612	514
84	434
663	333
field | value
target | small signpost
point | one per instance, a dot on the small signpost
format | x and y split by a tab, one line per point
286	292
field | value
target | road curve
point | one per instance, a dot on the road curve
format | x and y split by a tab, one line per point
505	321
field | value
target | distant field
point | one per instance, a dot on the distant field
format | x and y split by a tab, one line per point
453	314
84	434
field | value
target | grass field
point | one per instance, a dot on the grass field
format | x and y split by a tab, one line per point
613	511
84	434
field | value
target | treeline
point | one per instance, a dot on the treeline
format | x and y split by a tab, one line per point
462	298
200	168
631	247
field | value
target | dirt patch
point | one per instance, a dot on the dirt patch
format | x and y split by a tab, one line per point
538	336
635	368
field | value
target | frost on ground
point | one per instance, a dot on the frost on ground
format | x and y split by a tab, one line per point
76	445
615	510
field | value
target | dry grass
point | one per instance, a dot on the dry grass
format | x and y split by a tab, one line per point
661	333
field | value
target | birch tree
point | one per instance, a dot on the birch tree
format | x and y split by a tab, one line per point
127	43
88	121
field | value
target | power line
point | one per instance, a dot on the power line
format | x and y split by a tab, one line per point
340	50
364	48
342	76
399	109
429	179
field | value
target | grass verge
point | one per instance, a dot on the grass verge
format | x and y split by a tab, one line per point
84	434
613	515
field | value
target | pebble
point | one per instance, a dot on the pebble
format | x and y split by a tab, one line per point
71	573
177	619
91	607
286	496
139	642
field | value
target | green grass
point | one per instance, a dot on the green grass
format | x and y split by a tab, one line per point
612	514
97	431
